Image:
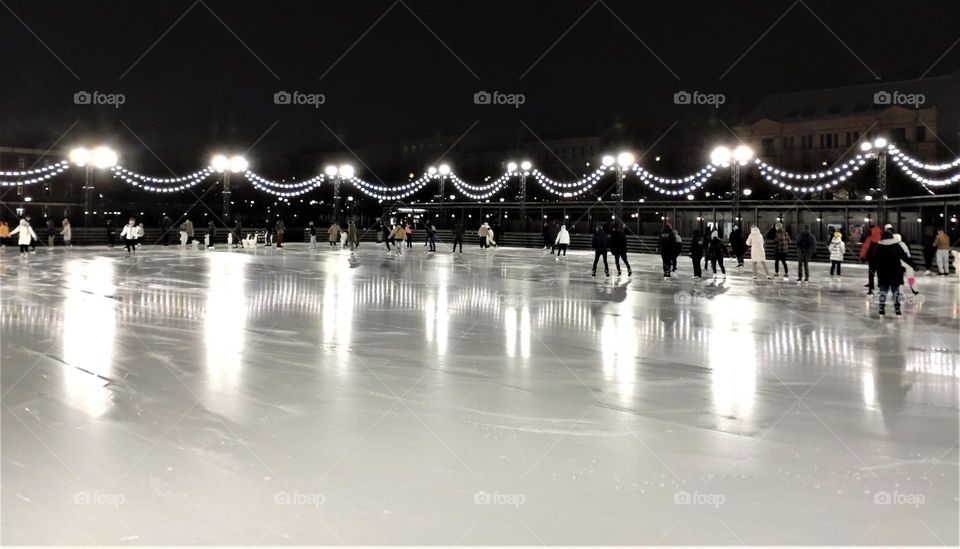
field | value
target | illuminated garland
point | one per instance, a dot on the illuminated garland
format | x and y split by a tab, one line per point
41	174
480	192
161	184
692	182
777	176
900	156
381	192
269	183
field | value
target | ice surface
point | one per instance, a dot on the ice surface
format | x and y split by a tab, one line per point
298	396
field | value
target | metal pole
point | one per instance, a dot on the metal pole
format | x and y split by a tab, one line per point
735	183
523	201
226	196
620	178
87	196
336	198
882	185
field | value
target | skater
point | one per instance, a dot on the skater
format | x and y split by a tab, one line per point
51	233
942	244
715	254
618	247
677	250
141	231
888	257
554	230
397	236
665	247
491	241
129	236
780	248
929	250
871	240
757	255
187	228
26	235
280	229
457	236
111	234
238	230
698	245
545	233
353	239
333	234
738	245
432	237
562	241
311	231
165	225
837	249
66	232
600	244
806	249
908	272
383	233
211	234
482	233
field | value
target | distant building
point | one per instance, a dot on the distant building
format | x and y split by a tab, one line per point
804	131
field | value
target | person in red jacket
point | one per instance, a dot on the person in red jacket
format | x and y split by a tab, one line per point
871	240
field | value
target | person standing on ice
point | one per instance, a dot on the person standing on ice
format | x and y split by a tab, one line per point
737	245
482	233
333	234
238	229
26	236
870	241
781	245
67	232
600	245
942	244
491	240
562	241
698	244
352	235
457	236
280	229
129	236
837	249
889	256
715	254
618	247
211	234
666	244
757	255
806	249
909	273
397	236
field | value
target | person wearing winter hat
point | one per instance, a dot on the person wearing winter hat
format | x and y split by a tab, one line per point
715	254
837	249
908	272
666	246
806	249
600	245
757	254
780	249
561	241
888	256
27	235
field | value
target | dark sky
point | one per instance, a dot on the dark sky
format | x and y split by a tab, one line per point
197	76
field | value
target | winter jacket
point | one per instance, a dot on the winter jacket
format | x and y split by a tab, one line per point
837	249
806	244
482	231
887	256
600	241
398	234
4	230
715	248
129	232
333	233
26	233
667	242
755	243
279	229
187	227
736	242
697	244
458	229
618	242
67	233
872	239
352	233
782	242
941	242
563	237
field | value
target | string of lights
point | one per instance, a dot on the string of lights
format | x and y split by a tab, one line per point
776	176
903	157
264	182
692	182
38	175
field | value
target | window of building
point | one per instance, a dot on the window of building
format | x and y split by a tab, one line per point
766	144
806	142
921	134
788	143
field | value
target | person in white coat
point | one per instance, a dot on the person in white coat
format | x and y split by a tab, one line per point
757	255
26	235
491	242
909	274
837	249
562	241
67	232
129	235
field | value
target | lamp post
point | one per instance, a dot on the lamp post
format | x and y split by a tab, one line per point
735	159
624	161
235	164
522	195
441	174
338	174
100	157
880	144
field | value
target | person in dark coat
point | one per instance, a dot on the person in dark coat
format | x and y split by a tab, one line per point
166	224
738	244
698	246
552	236
457	236
886	256
806	249
618	247
666	247
600	245
111	233
929	250
238	232
715	254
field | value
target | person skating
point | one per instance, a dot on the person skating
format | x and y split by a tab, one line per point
562	241
333	234
837	249
600	244
353	236
129	236
757	255
545	233
781	245
738	245
280	229
871	239
27	235
942	244
141	232
165	225
409	230
666	244
211	235
889	256
457	236
806	249
909	274
111	233
698	245
715	251
552	233
677	250
618	247
187	227
66	232
396	237
238	232
929	249
491	234
482	233
51	234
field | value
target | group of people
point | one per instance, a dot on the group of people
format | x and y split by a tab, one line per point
27	237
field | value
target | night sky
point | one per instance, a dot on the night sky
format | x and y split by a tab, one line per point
199	76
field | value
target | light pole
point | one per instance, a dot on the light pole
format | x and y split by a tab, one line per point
338	174
624	161
100	157
441	174
880	144
226	166
522	195
735	159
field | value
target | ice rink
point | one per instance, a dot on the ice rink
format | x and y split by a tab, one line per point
302	396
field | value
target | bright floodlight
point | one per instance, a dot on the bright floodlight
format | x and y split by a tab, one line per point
431	170
868	198
747	192
104	157
625	159
865	146
690	197
444	169
879	142
220	163
720	156
453	197
330	170
607	160
345	171
238	164
80	156
743	154
511	167
526	165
